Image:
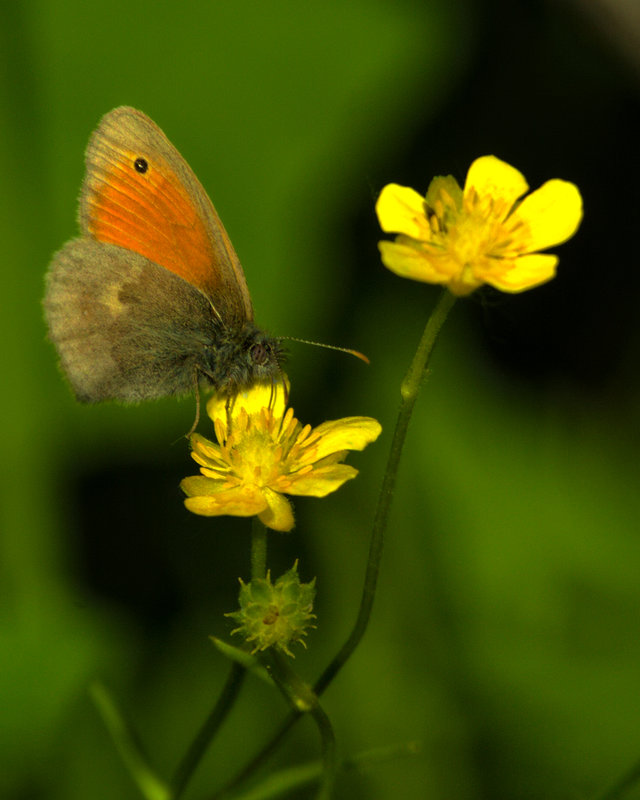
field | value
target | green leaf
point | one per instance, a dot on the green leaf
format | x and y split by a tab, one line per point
151	786
243	658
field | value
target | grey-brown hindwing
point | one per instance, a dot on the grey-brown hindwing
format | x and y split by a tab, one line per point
117	336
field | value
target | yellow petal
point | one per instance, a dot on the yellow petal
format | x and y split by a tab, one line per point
411	262
203	446
200	485
400	209
263	395
242	501
278	513
527	272
491	177
349	433
206	453
552	214
253	400
217	407
444	195
323	481
221	474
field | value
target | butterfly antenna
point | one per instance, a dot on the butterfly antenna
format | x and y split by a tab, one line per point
348	350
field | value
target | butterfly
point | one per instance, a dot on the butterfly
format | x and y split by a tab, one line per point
151	300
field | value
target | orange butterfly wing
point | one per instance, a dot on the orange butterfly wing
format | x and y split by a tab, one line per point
139	193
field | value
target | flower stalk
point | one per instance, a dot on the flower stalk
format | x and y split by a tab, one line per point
410	388
304	699
258	549
232	687
208	731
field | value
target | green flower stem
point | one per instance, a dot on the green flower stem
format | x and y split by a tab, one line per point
207	732
231	689
258	549
329	763
409	391
305	700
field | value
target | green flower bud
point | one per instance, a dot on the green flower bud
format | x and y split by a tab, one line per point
275	614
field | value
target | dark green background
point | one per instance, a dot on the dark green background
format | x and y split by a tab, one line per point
505	635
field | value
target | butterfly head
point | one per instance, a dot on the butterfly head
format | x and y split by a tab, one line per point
242	358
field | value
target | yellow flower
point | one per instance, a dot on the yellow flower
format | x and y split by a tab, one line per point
482	234
263	452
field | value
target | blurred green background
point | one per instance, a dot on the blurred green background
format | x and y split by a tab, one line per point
505	635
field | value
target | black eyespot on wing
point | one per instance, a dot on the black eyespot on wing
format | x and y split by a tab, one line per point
141	165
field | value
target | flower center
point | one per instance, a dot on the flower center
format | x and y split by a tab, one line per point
475	238
260	447
254	456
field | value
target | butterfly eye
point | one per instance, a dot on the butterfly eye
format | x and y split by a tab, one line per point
141	165
259	353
